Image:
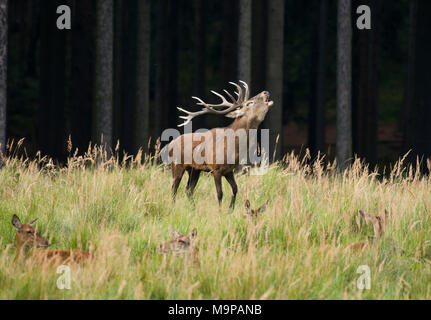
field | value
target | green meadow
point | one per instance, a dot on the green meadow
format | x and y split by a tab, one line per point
296	249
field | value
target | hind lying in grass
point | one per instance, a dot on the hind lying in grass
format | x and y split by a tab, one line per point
27	238
379	224
181	245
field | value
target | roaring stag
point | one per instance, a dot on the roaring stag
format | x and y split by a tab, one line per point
217	150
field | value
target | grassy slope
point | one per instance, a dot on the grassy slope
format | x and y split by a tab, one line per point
296	250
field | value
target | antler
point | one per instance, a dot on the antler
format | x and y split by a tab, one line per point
211	108
247	92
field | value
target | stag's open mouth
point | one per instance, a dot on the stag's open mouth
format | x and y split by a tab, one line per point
268	103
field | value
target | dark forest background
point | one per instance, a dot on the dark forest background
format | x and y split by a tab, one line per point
125	66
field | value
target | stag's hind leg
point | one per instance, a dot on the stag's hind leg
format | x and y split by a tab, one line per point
217	180
193	180
177	174
231	179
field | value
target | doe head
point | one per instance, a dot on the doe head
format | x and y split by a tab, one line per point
27	235
179	244
378	222
253	212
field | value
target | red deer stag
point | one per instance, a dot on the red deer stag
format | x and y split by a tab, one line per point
215	144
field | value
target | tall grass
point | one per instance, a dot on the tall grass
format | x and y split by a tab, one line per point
121	211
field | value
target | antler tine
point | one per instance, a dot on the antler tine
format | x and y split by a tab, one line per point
189	117
200	102
239	91
207	109
247	91
230	96
224	102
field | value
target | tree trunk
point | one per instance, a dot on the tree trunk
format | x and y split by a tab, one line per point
118	69
103	89
316	130
3	72
258	46
244	41
161	70
82	73
274	76
344	85
142	76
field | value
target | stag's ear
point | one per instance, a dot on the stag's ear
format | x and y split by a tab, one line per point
194	233
247	204
236	114
16	222
33	222
362	213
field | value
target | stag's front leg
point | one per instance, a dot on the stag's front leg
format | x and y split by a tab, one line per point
231	179
217	180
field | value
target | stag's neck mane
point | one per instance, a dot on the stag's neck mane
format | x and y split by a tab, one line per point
243	123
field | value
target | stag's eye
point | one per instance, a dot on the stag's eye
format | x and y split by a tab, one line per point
29	232
249	104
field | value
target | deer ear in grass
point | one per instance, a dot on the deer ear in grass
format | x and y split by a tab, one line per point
33	222
263	208
386	214
16	222
175	233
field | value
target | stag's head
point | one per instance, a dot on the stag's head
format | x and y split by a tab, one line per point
252	110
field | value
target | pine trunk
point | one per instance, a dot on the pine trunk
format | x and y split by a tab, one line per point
344	85
82	73
244	41
274	76
3	72
103	89
143	76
